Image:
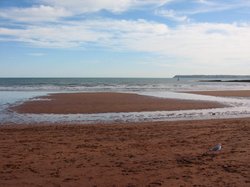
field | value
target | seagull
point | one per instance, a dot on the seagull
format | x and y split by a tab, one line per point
216	147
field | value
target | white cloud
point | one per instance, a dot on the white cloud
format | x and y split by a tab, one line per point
82	6
205	2
52	10
195	42
203	45
205	6
36	54
173	15
200	7
34	14
59	36
108	33
189	40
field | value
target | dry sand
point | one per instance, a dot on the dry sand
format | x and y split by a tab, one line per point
149	154
138	154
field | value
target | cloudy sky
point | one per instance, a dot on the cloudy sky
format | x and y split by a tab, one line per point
123	38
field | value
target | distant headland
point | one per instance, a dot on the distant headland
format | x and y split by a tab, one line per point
216	78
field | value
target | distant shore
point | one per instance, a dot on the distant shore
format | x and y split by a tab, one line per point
224	81
213	76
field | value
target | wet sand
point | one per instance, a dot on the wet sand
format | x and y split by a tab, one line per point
74	103
145	154
226	93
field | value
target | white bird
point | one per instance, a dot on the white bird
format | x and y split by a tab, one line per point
216	147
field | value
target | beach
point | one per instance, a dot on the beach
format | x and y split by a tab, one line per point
124	93
123	154
148	154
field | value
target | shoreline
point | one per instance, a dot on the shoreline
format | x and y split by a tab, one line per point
223	93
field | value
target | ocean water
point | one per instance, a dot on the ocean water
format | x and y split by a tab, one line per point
113	84
17	90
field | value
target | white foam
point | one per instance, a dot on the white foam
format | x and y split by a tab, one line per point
222	113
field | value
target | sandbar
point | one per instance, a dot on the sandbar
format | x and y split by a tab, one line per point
74	103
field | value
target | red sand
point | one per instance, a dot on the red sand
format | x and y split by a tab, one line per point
149	154
107	102
138	154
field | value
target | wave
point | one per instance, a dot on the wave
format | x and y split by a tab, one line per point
121	87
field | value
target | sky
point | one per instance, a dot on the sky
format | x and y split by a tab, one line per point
124	38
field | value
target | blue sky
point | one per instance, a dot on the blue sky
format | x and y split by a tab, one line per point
124	38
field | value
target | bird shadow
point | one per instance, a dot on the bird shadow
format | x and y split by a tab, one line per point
198	159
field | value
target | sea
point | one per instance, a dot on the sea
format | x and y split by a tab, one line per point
14	91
